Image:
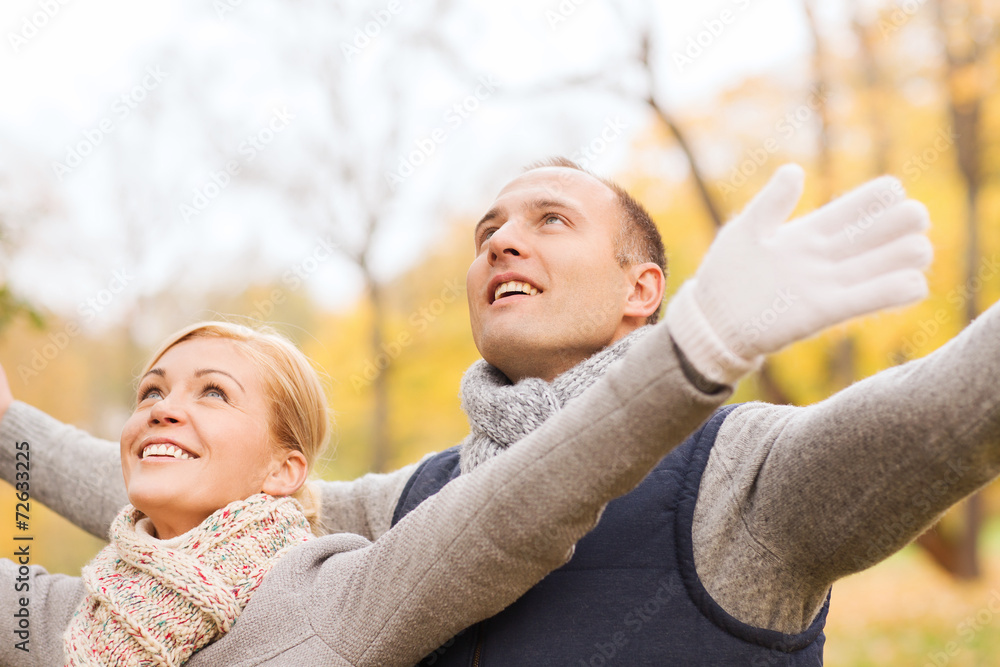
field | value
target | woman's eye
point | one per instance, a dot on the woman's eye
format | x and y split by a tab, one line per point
214	391
152	392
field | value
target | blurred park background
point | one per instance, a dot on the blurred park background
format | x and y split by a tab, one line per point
321	165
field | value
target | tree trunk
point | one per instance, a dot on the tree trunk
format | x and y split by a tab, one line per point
711	207
381	443
841	362
874	93
963	57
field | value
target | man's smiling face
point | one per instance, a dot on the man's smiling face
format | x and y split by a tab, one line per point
545	289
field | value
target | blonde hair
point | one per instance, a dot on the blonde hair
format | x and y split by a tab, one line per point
299	418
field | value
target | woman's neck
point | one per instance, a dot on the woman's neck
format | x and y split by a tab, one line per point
167	526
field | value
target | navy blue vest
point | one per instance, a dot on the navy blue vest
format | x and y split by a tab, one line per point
630	595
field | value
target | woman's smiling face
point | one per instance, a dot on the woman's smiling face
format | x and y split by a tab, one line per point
199	437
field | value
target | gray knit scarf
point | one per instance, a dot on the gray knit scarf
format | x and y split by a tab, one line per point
501	413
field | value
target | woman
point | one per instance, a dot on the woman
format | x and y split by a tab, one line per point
227	425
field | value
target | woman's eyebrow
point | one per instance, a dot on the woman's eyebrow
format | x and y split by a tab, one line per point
205	371
153	371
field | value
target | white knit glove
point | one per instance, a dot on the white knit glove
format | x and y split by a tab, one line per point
764	284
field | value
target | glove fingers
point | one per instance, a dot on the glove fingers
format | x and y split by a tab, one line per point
863	234
891	290
913	251
775	202
861	206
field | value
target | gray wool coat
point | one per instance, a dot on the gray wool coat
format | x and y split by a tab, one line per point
460	557
792	498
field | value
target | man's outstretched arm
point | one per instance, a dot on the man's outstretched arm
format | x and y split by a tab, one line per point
795	498
781	511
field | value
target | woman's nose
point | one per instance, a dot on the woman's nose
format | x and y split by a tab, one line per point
166	411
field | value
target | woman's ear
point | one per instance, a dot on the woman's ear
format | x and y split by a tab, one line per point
288	472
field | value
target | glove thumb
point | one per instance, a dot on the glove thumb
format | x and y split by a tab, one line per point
775	202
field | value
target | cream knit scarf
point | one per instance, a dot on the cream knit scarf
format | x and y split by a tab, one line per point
153	602
501	413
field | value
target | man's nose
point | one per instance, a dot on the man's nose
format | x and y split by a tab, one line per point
507	240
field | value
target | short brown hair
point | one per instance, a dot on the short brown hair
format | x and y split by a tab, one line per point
638	239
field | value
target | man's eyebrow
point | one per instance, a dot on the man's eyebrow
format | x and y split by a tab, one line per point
205	371
490	215
534	205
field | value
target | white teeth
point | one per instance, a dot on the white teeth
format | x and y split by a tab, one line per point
165	450
514	286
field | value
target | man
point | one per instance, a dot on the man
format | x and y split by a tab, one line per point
726	553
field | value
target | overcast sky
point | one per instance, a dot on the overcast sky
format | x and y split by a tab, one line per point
67	68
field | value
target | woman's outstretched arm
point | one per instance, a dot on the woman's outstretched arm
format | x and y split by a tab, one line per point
79	476
35	609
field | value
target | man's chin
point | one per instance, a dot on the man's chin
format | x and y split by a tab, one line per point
522	354
507	338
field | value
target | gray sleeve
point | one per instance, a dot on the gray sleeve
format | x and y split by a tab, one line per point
79	477
487	537
364	506
794	498
35	610
72	472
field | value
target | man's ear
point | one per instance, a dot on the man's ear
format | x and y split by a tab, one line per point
647	285
288	472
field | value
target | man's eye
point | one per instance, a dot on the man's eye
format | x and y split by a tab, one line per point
552	219
486	236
